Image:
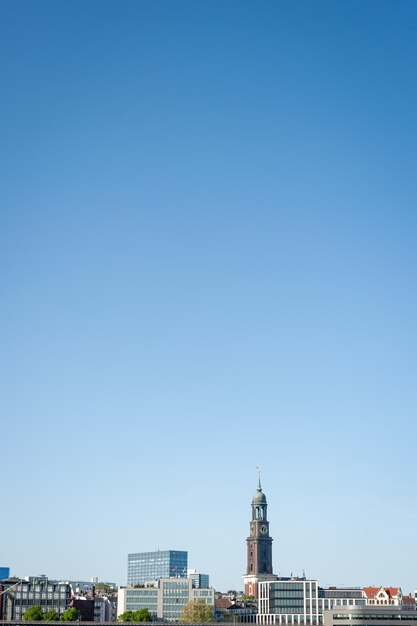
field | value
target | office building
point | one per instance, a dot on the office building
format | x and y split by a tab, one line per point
164	599
288	601
143	567
301	602
334	596
394	615
48	594
200	581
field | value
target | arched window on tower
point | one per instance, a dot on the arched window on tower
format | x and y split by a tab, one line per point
259	513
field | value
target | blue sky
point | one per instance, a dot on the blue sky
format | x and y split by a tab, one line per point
208	253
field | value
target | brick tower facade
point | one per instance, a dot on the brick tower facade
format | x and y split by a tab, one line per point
259	546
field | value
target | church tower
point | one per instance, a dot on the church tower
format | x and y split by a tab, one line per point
259	560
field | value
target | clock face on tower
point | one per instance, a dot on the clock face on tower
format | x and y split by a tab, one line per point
263	529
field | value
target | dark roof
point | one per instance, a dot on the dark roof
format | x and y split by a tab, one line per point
223	603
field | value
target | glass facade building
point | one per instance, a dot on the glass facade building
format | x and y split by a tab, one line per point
300	602
289	601
143	567
200	581
4	572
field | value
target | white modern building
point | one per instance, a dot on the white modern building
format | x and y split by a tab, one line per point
288	601
301	602
370	615
332	597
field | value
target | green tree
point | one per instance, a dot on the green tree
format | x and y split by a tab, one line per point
33	614
245	598
104	587
228	616
142	615
127	616
51	616
70	615
196	612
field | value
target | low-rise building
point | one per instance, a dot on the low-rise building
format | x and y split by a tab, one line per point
340	596
288	601
301	602
103	609
382	596
35	591
409	602
165	598
85	608
393	615
6	587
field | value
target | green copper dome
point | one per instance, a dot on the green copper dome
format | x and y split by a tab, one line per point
259	497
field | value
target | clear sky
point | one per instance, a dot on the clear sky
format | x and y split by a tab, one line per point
208	256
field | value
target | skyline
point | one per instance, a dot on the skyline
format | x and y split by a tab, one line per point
291	573
208	252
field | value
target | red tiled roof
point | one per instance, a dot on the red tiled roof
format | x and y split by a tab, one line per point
391	591
223	603
372	592
408	599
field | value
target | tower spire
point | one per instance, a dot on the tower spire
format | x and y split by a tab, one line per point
258	469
